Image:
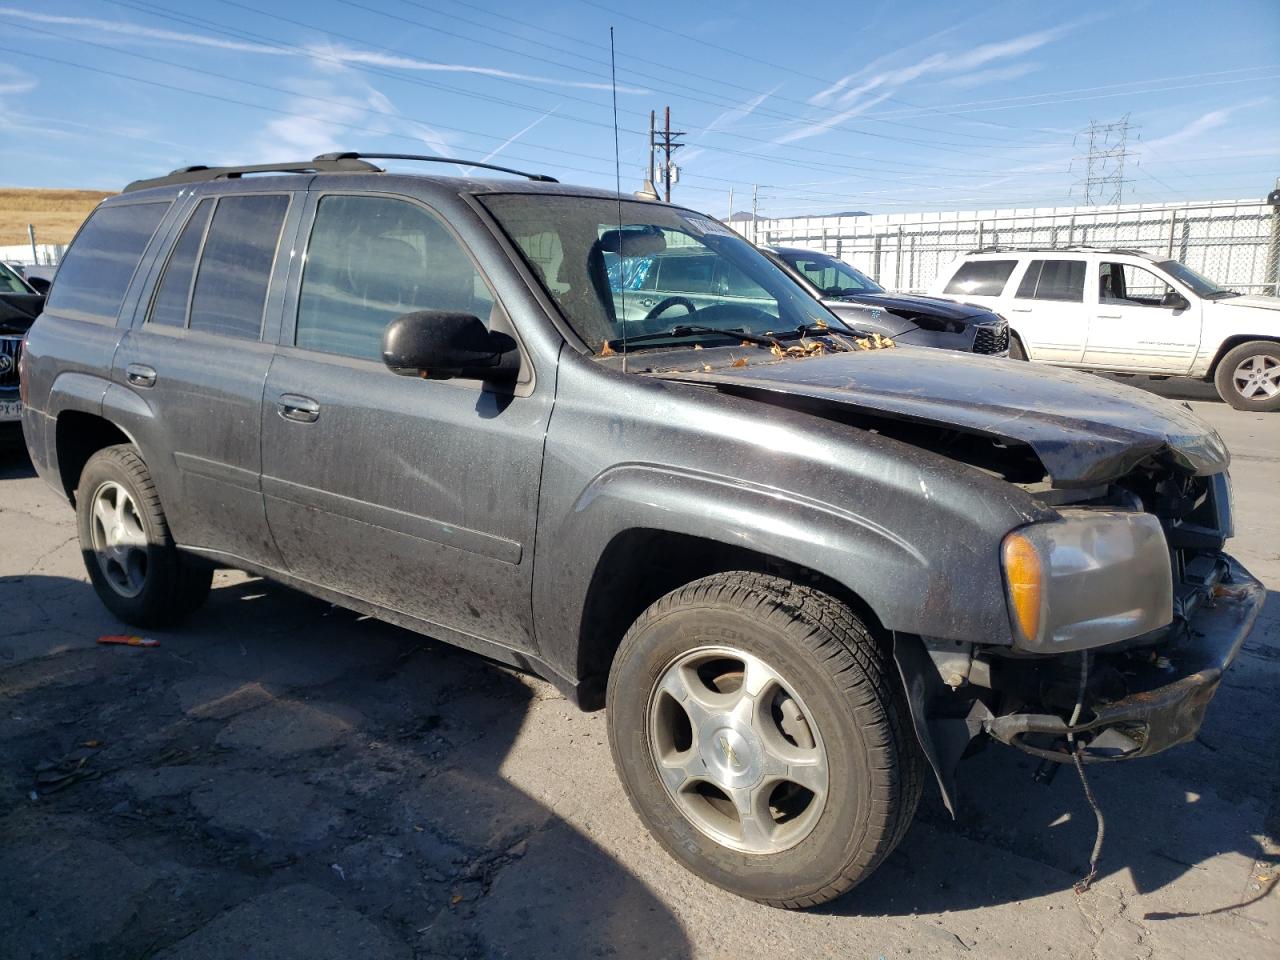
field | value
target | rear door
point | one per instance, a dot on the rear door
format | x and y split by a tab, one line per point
1133	326
1047	309
197	362
419	496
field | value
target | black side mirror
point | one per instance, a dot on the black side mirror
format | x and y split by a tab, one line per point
442	344
1174	301
39	284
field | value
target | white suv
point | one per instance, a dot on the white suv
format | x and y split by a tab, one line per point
1125	311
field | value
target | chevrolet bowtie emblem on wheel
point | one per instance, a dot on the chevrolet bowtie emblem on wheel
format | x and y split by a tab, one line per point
729	754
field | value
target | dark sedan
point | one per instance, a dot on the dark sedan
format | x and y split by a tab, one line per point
909	319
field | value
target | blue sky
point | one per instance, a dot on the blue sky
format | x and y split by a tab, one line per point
888	105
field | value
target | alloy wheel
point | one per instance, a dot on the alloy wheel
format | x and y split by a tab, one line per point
119	539
1257	377
737	750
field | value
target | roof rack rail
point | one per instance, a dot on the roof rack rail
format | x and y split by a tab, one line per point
338	157
201	174
1073	248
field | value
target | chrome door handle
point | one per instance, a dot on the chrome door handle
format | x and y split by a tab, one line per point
290	406
1107	316
1019	309
140	375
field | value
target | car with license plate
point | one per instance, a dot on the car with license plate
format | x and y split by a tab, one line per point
19	306
802	569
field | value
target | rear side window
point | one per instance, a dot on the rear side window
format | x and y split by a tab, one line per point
981	278
170	305
235	268
1053	280
95	273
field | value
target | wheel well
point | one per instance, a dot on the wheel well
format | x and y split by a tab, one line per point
78	437
1231	343
640	566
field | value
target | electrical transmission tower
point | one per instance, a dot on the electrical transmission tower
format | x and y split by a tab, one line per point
1106	146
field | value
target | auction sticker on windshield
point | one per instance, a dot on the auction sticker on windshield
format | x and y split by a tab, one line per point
702	226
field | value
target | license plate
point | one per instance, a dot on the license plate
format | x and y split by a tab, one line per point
10	410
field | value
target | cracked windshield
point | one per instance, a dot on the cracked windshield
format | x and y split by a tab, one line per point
666	277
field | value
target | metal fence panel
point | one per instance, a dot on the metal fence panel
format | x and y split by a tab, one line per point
1234	242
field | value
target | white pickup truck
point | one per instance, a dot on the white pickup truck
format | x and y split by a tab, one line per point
1127	312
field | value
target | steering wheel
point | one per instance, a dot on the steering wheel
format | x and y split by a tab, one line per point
664	305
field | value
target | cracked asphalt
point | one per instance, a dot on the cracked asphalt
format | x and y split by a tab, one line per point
284	779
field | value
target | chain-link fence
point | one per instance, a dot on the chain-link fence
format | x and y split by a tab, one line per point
1236	243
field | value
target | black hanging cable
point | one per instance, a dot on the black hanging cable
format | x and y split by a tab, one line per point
1077	754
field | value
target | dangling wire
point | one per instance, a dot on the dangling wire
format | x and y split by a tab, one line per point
1077	754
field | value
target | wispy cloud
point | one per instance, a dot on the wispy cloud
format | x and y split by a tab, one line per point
1200	125
323	53
141	32
740	112
348	55
514	137
857	92
13	80
980	78
816	127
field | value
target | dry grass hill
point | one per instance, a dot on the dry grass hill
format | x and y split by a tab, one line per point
56	213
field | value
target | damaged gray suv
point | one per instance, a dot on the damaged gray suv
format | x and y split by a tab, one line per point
802	568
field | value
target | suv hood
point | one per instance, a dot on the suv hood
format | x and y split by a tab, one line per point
1249	301
912	305
1084	430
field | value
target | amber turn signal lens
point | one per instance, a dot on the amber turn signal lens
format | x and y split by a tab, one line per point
1024	574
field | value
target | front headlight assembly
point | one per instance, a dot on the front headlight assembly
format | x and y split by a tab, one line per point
1092	578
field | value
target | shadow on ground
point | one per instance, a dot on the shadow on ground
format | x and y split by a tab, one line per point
284	779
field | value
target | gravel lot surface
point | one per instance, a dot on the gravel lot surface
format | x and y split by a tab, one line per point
283	779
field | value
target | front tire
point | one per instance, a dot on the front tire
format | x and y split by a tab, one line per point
137	571
1016	350
1248	377
763	739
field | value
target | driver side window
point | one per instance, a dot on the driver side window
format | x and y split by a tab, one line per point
1130	285
372	259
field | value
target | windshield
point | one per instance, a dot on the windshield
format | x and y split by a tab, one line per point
10	282
665	268
833	277
1202	287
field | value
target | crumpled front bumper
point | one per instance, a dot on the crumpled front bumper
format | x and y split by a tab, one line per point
1167	695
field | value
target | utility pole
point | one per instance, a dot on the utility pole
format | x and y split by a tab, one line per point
755	206
669	143
1106	151
730	220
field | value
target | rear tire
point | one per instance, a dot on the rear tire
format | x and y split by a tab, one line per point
823	711
1248	377
137	571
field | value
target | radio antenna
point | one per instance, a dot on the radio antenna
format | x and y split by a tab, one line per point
617	185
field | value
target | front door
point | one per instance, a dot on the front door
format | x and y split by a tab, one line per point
1140	322
417	495
1048	311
